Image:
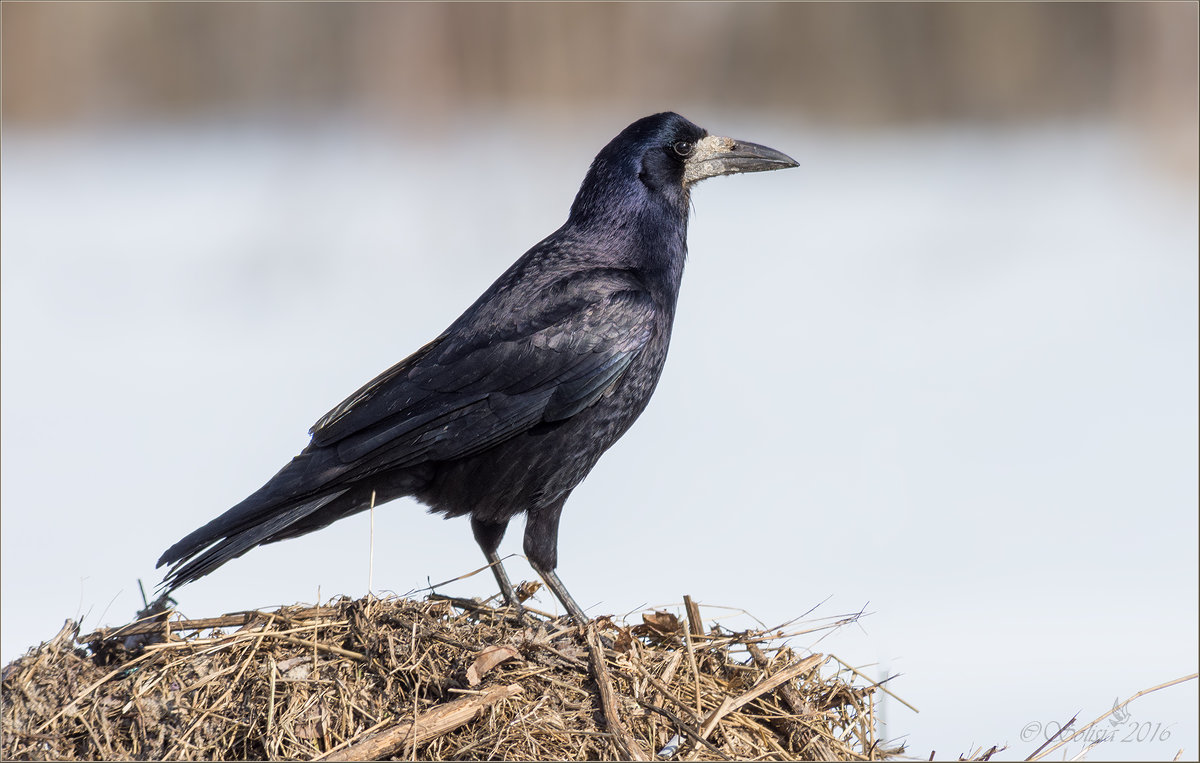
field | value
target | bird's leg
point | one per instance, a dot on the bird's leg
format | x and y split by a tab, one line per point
506	586
560	590
541	548
488	536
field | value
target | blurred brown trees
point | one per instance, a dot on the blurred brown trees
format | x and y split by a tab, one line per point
865	63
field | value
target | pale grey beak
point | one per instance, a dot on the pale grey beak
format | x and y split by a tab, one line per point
715	155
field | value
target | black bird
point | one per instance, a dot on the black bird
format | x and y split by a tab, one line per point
510	408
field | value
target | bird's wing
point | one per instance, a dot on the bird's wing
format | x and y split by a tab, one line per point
485	381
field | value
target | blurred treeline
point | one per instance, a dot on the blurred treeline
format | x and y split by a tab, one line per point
865	63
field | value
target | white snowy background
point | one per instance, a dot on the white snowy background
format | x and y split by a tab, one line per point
947	376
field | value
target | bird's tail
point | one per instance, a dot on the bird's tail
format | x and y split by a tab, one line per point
207	548
312	491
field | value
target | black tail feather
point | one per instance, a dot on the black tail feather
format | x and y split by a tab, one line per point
204	550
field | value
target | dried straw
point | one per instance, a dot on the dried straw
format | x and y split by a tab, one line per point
435	680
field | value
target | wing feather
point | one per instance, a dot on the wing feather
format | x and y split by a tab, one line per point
453	399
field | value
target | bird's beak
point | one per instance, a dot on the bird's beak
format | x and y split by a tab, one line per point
715	155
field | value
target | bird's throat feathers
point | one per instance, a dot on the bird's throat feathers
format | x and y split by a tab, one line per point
648	235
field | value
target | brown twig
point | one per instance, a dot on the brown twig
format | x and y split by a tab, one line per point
798	706
729	704
685	727
1061	730
695	624
626	744
424	728
875	684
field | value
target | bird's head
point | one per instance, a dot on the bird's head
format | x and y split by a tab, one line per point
658	158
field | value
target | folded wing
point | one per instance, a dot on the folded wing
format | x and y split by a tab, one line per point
480	383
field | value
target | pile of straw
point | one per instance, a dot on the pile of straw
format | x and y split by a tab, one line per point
439	679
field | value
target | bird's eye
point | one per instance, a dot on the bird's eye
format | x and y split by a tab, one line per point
683	147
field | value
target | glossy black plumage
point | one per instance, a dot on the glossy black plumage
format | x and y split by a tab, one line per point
510	408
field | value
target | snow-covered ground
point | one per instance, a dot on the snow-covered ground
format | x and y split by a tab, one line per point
948	375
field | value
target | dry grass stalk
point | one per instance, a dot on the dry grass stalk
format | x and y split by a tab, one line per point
430	680
1041	752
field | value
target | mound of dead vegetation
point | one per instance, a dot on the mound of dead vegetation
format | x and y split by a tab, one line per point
439	679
